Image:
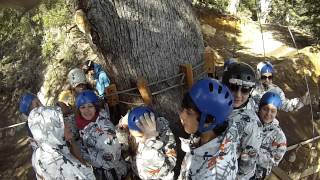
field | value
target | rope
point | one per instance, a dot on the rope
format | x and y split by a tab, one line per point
166	89
308	90
12	126
131	103
261	31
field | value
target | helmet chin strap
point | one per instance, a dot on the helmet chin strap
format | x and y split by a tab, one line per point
201	128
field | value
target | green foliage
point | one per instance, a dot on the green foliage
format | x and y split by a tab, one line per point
302	14
220	5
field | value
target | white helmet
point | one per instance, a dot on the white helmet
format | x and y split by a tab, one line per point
76	76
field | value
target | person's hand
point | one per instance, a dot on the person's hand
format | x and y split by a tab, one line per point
306	98
123	122
147	125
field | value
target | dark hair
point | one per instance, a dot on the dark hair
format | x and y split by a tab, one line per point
187	103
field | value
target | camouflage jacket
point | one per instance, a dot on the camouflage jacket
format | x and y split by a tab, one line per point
287	104
216	160
51	158
101	148
156	157
249	129
273	148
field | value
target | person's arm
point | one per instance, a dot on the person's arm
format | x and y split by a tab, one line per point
271	156
103	81
289	105
249	148
156	157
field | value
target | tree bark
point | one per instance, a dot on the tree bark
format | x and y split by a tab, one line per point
146	38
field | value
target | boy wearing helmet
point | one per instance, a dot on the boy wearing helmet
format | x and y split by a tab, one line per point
211	149
274	143
100	77
265	71
51	158
240	78
100	146
151	143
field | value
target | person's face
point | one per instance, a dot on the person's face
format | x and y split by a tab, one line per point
189	120
268	113
240	94
91	72
35	103
79	88
266	79
87	111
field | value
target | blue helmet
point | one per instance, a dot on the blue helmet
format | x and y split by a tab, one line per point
86	97
135	115
264	67
270	98
228	62
25	103
211	98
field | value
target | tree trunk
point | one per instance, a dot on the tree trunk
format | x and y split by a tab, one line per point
233	6
146	38
264	10
150	39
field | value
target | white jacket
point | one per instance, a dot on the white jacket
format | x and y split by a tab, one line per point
155	158
215	160
101	148
249	129
273	148
51	158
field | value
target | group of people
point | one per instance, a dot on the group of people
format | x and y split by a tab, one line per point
234	133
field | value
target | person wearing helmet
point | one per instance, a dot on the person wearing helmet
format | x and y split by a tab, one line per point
265	72
99	146
240	79
100	77
228	62
66	100
274	143
211	149
77	83
151	143
28	102
51	158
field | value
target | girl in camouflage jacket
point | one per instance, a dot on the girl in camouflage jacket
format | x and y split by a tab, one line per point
151	143
274	143
100	146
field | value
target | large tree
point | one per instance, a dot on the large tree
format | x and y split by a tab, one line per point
145	38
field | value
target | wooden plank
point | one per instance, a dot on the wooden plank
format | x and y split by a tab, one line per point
210	57
280	173
114	99
302	143
187	70
310	171
144	90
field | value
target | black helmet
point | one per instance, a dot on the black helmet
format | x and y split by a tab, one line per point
240	74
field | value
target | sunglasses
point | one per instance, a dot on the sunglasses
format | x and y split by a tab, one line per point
266	77
243	89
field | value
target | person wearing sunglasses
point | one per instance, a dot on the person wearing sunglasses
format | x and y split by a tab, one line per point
265	71
240	78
